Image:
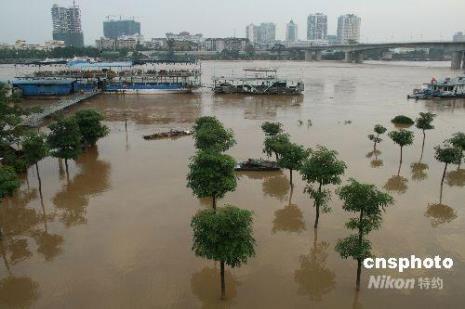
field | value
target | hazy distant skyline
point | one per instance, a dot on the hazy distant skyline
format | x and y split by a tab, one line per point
394	20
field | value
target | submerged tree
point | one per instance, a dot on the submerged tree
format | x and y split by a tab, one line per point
35	148
446	154
424	123
458	141
402	121
376	139
272	128
9	181
401	138
225	236
369	203
210	134
90	125
65	139
211	174
322	168
292	156
276	144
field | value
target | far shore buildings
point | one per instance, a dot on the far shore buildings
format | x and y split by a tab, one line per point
317	27
67	25
291	32
114	29
348	29
459	37
263	35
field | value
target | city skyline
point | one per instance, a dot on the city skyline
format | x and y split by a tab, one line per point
377	18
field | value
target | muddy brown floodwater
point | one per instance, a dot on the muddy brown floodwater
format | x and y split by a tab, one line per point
117	233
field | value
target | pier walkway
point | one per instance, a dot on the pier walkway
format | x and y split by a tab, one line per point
36	119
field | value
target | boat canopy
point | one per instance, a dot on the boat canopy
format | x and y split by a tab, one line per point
42	81
99	65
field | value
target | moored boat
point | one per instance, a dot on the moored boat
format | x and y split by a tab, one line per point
257	165
173	133
257	82
445	88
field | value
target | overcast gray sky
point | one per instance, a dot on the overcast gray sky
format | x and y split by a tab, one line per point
382	20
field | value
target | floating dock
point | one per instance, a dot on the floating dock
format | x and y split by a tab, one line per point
35	120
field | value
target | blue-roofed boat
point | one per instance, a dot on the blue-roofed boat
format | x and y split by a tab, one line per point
43	87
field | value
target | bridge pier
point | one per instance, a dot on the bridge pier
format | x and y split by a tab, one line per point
313	55
457	60
348	57
358	57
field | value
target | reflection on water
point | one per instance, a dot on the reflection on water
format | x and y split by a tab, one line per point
314	278
276	187
258	107
376	162
419	171
205	285
288	219
456	178
440	214
92	179
397	184
18	292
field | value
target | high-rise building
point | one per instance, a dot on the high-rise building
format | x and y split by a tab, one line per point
348	29
114	29
67	25
317	27
263	34
291	32
459	37
251	33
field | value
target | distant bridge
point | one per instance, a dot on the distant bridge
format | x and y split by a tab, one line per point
354	52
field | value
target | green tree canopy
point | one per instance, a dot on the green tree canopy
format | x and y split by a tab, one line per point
402	137
376	139
210	134
458	141
402	121
447	154
369	203
225	236
211	174
35	147
9	181
272	128
292	157
322	168
424	122
90	126
65	139
379	129
276	144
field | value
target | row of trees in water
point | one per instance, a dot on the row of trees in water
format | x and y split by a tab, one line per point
66	140
225	234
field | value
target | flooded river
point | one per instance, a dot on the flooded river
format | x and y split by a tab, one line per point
117	233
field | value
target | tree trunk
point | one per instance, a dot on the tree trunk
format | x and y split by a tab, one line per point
66	168
290	173
223	285
39	179
442	182
214	202
359	260
317	217
401	158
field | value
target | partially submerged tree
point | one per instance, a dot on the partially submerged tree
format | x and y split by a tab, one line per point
91	127
368	203
225	236
210	134
376	139
292	157
402	138
272	128
402	121
9	182
321	168
424	123
276	144
458	141
64	139
211	174
446	154
35	148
